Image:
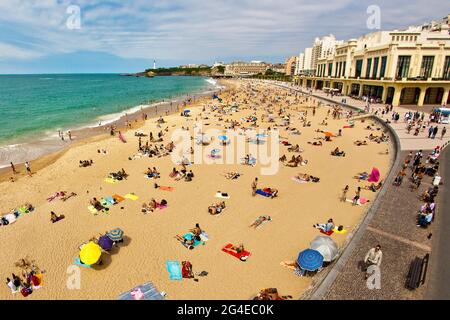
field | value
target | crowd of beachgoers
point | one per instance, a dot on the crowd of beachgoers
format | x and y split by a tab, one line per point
332	164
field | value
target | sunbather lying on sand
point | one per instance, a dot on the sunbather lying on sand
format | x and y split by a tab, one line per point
232	175
295	148
86	163
119	175
307	177
237	249
216	208
361	176
361	143
374	187
55	218
97	205
259	221
316	143
152	173
337	153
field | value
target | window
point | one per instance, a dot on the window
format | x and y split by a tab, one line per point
383	66
358	69
368	67
343	68
427	66
403	66
375	67
447	68
330	69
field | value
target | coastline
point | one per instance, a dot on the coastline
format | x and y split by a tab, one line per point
54	148
54	245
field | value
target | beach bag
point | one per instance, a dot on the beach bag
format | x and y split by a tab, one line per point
186	269
25	292
340	228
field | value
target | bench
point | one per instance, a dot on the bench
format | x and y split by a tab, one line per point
417	272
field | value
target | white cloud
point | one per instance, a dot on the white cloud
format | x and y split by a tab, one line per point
197	29
8	52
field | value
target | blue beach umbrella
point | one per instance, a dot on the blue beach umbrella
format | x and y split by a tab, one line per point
223	138
105	243
310	260
187	111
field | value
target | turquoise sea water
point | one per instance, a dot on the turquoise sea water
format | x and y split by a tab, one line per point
33	105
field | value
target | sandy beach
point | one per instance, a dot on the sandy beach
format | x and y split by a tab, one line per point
150	241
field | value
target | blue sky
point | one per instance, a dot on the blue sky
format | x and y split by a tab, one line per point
127	35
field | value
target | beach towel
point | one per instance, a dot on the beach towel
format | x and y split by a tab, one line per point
104	202
161	206
174	269
111	180
77	262
131	196
374	175
343	231
165	188
92	210
262	193
110	200
222	195
243	256
189	236
118	198
298	180
146	291
22	210
328	233
122	138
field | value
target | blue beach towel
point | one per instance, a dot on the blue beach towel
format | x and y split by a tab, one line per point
174	269
77	262
110	200
262	193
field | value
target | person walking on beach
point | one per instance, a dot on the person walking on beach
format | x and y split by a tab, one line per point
430	131
254	186
13	168
344	194
28	167
70	135
373	257
443	132
435	131
357	196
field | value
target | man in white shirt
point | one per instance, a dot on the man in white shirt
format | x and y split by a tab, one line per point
373	257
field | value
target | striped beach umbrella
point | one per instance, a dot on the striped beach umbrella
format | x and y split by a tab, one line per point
115	235
310	260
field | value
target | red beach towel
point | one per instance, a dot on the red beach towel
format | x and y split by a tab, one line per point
241	255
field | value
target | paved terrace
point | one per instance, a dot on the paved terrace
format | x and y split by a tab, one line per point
393	226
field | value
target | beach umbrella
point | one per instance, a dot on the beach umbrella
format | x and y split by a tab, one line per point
261	135
90	253
222	138
374	175
326	246
105	243
187	111
310	260
214	151
115	235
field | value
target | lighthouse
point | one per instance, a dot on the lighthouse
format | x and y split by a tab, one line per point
154	64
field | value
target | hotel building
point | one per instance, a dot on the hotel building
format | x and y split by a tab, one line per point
245	68
407	67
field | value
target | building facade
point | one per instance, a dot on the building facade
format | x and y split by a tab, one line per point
245	68
408	67
290	66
